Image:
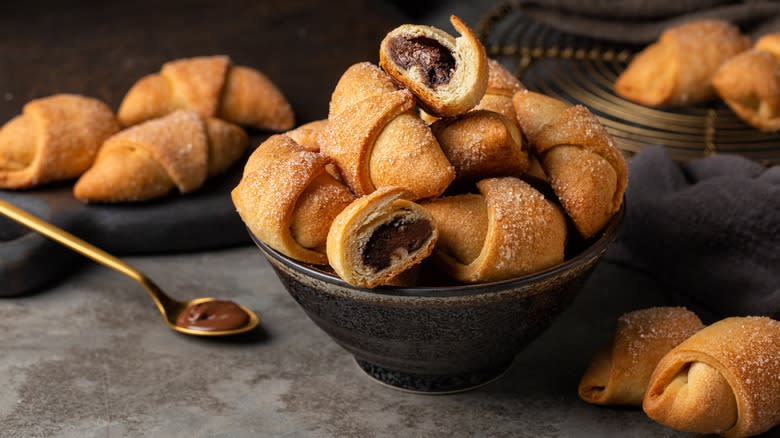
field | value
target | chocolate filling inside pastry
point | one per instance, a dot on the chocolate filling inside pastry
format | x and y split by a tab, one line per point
426	53
395	239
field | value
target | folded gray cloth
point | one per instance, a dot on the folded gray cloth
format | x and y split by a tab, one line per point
708	230
643	21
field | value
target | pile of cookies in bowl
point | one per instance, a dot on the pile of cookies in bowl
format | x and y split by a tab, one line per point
441	216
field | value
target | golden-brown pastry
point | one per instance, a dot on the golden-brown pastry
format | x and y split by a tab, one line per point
448	75
725	379
678	68
377	139
308	135
213	87
621	370
586	170
178	151
508	230
481	144
288	200
55	138
750	84
379	236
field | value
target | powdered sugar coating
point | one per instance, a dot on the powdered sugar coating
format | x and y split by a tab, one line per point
177	141
590	183
525	232
657	328
482	144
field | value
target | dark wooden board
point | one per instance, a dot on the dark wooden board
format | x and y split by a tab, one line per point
100	49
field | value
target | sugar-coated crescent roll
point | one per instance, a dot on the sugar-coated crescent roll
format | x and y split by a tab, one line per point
178	151
507	230
377	139
749	83
586	170
448	75
288	200
481	144
678	68
620	372
55	138
725	379
213	87
379	236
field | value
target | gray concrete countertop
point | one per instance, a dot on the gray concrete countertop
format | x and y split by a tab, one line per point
92	357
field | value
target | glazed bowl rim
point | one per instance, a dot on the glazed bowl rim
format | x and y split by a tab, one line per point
608	235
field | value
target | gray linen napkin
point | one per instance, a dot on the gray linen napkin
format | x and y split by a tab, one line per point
642	21
708	230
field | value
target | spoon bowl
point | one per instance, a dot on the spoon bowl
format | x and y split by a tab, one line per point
171	315
169	308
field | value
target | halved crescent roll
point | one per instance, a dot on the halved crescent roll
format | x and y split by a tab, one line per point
501	86
725	379
677	69
448	75
379	236
621	370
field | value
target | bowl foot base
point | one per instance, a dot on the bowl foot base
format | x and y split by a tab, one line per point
431	383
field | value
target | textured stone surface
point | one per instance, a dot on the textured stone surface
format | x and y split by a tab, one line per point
68	368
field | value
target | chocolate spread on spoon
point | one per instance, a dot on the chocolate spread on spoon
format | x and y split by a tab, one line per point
213	316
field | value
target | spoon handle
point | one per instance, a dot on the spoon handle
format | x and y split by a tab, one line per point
69	240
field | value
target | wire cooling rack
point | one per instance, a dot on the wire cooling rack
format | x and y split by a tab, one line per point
583	70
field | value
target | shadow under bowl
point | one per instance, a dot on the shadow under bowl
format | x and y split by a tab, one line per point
444	339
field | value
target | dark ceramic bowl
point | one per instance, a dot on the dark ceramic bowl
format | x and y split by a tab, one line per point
439	339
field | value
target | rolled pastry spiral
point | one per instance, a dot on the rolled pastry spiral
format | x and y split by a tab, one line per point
288	200
377	139
213	87
507	230
586	170
725	379
750	83
379	236
55	138
448	75
621	370
178	151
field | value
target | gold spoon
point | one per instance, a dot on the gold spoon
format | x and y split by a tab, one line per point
170	308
